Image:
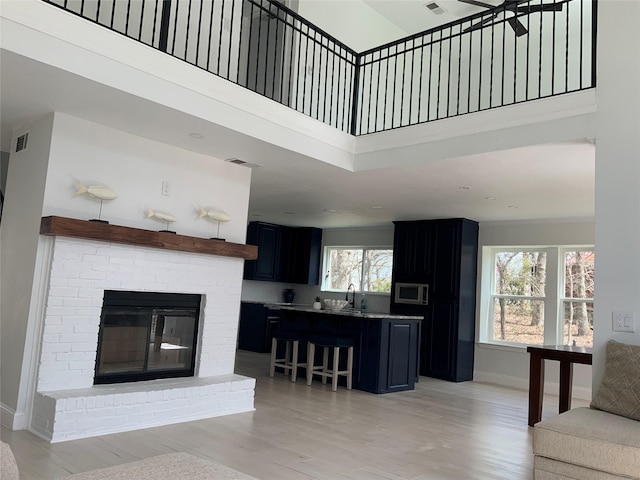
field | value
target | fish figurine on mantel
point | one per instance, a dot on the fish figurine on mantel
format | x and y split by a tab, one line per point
96	191
99	192
163	217
217	216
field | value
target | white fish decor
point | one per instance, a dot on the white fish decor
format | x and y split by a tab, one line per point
163	217
167	218
99	192
216	215
96	191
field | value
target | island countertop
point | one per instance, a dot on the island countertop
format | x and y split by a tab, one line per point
351	313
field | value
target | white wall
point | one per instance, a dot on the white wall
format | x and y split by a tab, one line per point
135	169
41	182
18	247
617	174
506	365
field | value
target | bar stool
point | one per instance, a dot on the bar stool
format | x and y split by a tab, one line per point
327	342
289	363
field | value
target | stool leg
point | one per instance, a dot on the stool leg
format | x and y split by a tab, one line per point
336	368
311	352
350	368
287	357
294	361
325	364
274	347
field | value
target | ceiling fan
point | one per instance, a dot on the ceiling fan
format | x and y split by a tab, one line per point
511	6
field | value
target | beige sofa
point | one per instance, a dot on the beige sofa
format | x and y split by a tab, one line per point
586	444
598	443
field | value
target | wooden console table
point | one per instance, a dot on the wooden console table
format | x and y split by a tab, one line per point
567	355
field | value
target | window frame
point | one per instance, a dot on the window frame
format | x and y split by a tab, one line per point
554	299
363	249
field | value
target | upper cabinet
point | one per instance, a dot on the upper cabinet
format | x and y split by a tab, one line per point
285	254
412	260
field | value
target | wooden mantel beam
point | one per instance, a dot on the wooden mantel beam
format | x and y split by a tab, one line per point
71	227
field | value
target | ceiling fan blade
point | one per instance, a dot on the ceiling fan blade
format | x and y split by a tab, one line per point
480	24
545	7
517	26
477	3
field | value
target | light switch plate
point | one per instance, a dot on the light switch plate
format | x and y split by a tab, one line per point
624	322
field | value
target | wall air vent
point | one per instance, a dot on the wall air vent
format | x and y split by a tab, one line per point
237	161
433	7
21	143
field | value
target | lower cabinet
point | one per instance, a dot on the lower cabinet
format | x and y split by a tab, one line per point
386	350
257	325
398	364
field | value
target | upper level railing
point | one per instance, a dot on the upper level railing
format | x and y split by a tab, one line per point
519	51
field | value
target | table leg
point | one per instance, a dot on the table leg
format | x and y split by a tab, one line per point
566	381
536	388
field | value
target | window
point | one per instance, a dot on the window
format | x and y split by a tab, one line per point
539	296
369	269
578	297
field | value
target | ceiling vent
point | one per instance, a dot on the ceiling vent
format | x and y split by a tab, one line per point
237	161
434	8
21	143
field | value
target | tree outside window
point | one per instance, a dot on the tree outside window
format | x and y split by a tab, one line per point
518	296
579	269
368	269
520	304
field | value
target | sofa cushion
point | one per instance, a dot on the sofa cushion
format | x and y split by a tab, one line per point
547	469
619	391
591	438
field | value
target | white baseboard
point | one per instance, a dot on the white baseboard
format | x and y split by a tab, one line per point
523	384
12	420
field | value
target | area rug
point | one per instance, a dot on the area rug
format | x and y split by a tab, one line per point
171	466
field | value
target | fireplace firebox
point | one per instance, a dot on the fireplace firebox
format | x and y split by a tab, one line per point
146	336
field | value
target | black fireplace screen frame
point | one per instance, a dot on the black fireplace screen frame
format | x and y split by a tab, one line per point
144	304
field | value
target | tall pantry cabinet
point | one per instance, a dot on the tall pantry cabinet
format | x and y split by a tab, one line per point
442	254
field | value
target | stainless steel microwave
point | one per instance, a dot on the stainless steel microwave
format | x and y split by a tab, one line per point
412	293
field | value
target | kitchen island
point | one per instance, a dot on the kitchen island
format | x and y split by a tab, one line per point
386	346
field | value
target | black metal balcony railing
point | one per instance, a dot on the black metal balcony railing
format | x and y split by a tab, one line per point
516	52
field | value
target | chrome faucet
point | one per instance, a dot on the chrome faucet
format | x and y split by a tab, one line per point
353	297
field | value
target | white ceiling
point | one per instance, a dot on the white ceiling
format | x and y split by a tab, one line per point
545	182
412	16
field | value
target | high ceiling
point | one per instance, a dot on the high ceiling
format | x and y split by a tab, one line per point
543	182
365	24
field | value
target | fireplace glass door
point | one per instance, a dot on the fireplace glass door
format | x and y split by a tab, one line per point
145	342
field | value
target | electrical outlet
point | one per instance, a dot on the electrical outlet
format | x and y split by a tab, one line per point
624	322
165	188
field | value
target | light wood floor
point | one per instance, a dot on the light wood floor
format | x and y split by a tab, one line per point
441	430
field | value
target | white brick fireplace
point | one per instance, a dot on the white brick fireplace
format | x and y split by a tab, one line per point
67	405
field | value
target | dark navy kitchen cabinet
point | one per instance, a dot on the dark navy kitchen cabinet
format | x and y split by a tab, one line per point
269	239
443	255
258	323
285	254
304	255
